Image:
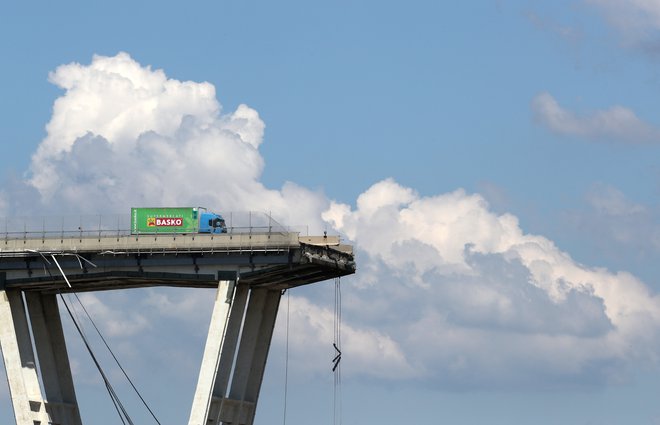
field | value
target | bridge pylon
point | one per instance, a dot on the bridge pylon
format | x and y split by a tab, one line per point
59	406
234	362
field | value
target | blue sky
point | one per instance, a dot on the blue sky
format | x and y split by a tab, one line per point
494	162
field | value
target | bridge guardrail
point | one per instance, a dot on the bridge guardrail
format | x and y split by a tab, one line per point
117	225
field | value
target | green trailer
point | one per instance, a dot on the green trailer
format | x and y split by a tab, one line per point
175	220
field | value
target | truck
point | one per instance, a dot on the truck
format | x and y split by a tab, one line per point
176	220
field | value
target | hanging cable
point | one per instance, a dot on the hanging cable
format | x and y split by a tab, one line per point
117	360
113	395
336	368
121	411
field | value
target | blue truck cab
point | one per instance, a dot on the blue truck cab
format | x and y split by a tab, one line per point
211	223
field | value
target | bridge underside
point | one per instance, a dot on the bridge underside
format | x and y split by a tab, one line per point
269	277
275	267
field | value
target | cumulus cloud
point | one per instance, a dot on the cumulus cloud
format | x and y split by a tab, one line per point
616	123
447	292
617	227
372	353
476	301
610	201
635	19
123	134
113	320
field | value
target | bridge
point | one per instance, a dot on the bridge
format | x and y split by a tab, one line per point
250	270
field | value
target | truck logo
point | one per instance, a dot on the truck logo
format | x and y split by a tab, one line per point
164	222
169	222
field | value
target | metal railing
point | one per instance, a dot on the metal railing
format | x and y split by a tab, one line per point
117	225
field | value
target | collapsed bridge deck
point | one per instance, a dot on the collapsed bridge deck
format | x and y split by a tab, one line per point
271	260
248	271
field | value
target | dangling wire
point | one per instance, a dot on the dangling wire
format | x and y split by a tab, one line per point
119	407
286	356
89	317
336	368
121	411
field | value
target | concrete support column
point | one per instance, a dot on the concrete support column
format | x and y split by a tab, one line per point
53	359
219	351
228	353
18	356
225	360
240	407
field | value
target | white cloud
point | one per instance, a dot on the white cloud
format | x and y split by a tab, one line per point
114	322
617	227
123	135
476	301
366	351
447	291
616	123
183	305
633	18
627	223
611	201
